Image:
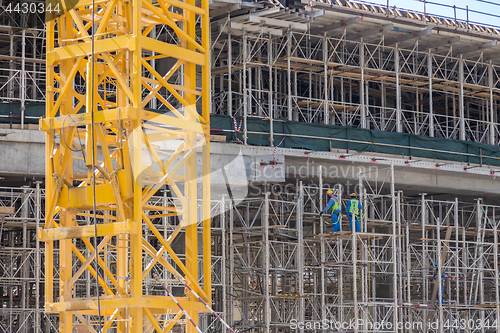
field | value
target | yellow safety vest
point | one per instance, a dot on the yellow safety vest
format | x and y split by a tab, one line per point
336	206
354	208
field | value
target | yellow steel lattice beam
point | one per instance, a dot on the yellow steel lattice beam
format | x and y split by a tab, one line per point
138	153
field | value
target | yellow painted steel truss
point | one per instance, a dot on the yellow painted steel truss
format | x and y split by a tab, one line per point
137	152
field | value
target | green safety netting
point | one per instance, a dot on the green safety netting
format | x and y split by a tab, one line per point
11	112
323	137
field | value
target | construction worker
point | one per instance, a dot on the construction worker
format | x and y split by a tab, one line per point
334	207
352	210
443	277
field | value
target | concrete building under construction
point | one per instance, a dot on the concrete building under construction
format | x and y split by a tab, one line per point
294	98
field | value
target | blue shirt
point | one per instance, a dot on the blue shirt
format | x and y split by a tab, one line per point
331	203
348	206
443	275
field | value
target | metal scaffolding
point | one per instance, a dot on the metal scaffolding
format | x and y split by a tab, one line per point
22	61
296	64
21	262
286	268
276	265
330	62
273	263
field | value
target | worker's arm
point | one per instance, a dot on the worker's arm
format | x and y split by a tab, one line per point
359	205
330	204
348	207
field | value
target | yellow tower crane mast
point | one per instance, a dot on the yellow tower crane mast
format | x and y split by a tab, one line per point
108	156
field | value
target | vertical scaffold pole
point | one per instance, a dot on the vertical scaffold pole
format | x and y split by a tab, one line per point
394	249
267	293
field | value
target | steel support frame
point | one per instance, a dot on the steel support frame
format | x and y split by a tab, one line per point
295	259
298	61
340	275
114	184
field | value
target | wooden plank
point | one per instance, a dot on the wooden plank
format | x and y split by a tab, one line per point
275	226
7	210
444	252
358	75
310	104
385	78
218	138
350	68
307	61
378	71
344	107
473	86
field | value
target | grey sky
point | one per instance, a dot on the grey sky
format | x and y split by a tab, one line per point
438	7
